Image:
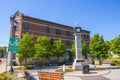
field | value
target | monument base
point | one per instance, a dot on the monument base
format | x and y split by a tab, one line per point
78	64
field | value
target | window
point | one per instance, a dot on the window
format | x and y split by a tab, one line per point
58	31
87	36
15	26
16	35
26	26
47	29
68	33
68	43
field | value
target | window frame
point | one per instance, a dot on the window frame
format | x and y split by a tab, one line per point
26	26
68	33
47	29
58	31
15	26
68	43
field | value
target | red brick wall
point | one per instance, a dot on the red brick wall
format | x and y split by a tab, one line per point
37	28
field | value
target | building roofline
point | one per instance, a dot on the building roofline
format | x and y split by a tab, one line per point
52	22
85	30
47	21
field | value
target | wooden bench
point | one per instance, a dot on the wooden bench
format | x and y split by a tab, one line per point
43	75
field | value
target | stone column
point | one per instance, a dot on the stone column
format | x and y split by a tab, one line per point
78	46
78	61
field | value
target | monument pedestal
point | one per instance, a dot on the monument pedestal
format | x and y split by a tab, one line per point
78	64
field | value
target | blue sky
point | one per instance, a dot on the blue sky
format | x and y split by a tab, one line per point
96	16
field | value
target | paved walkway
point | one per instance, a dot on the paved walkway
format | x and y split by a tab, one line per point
110	73
94	78
2	65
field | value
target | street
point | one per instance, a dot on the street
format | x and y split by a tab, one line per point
3	65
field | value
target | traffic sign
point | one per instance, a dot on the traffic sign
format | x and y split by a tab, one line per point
13	45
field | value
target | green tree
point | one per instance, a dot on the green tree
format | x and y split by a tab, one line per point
84	48
115	45
43	47
73	48
26	47
98	47
58	48
2	50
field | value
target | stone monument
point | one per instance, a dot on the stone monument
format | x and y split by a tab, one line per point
78	61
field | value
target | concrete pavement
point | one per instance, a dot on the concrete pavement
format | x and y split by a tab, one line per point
113	75
3	65
110	73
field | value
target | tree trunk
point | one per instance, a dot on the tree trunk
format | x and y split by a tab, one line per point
25	61
100	62
21	61
42	61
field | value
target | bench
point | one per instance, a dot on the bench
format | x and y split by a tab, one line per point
44	75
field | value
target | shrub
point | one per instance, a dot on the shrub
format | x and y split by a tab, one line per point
8	76
29	67
115	63
61	63
3	76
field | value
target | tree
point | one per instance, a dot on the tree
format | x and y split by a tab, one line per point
115	45
84	48
43	47
26	47
2	51
73	48
58	48
98	47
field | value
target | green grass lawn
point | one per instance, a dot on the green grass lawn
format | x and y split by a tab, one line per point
12	76
9	76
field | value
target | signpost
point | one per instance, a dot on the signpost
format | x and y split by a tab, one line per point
13	45
13	48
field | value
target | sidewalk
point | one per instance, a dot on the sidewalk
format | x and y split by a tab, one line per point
3	67
107	74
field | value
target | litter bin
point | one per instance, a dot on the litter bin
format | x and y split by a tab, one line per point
86	69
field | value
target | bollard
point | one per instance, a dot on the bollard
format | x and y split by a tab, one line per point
64	68
94	66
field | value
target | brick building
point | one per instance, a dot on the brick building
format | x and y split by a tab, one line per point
21	23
